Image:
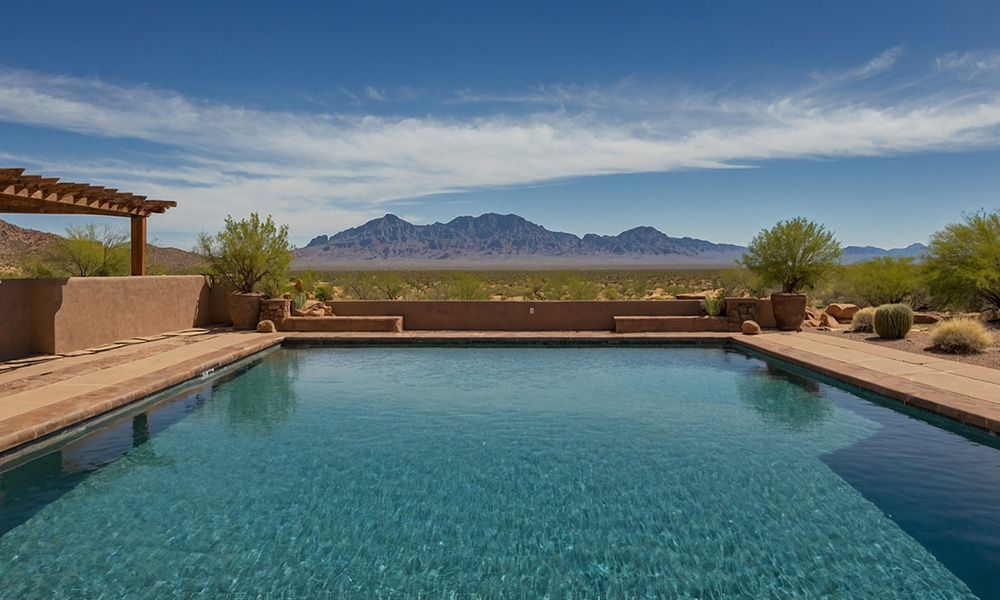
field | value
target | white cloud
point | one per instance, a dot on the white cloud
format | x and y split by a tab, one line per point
320	172
374	93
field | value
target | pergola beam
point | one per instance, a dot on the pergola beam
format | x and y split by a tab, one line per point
34	194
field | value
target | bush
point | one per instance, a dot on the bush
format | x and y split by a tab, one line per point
884	280
323	292
389	285
893	321
864	320
247	252
794	254
86	251
963	262
714	303
466	286
961	336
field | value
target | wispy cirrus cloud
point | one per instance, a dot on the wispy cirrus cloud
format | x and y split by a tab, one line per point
320	171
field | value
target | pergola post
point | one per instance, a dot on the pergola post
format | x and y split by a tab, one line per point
139	245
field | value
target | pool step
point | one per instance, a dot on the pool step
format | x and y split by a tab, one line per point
672	324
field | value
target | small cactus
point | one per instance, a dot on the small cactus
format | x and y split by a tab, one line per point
893	321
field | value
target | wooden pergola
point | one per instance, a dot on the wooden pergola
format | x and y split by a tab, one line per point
34	194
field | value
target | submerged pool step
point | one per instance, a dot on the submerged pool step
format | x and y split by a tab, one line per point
653	324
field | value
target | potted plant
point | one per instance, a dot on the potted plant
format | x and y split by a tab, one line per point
245	253
793	255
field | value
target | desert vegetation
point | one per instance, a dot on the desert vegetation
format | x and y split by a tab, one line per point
961	336
517	284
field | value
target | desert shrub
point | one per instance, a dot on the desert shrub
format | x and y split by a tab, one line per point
961	336
963	262
884	280
85	251
466	286
793	254
271	288
577	288
739	282
323	292
610	292
864	320
247	251
714	303
893	321
359	286
388	285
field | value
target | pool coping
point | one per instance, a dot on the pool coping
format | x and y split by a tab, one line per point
24	431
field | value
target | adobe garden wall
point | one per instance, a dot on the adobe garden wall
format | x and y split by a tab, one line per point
49	316
492	315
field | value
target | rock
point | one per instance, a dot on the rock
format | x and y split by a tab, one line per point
842	312
925	318
694	296
813	314
811	323
828	320
266	326
750	328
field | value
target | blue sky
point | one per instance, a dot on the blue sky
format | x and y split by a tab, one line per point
881	120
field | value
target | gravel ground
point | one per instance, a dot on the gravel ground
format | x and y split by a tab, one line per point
919	340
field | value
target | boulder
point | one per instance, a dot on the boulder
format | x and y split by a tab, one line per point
266	326
750	328
811	323
813	314
842	312
925	318
828	320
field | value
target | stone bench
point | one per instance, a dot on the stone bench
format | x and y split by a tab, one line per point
343	324
673	324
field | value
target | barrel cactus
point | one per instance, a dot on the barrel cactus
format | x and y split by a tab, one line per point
893	321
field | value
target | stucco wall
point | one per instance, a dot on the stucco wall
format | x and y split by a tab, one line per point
20	331
46	316
488	315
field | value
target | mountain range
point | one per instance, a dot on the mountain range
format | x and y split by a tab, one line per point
511	240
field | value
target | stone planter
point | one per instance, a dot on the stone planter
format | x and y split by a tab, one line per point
789	311
244	310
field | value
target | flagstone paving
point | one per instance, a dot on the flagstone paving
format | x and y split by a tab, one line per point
41	397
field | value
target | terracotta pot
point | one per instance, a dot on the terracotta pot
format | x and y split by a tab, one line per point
244	310
789	311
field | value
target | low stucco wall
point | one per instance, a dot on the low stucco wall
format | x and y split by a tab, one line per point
491	315
48	316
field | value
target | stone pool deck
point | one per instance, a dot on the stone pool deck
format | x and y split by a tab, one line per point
42	396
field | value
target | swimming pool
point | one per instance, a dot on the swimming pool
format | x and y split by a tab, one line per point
508	472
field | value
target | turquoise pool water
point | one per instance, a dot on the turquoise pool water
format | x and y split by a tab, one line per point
507	472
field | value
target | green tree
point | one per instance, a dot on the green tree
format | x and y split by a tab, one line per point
963	262
793	254
86	251
884	280
247	251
